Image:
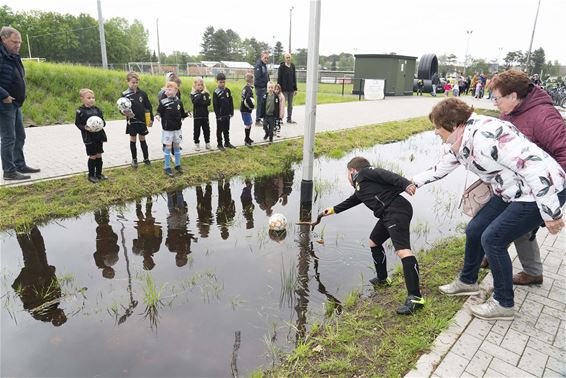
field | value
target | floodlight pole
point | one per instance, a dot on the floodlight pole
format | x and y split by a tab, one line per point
29	47
290	22
531	44
469	34
102	38
310	108
158	48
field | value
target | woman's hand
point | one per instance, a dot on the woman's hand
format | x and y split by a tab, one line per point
554	226
328	211
411	189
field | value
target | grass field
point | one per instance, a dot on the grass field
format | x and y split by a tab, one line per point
52	91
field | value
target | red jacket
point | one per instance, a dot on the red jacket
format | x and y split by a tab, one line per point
538	119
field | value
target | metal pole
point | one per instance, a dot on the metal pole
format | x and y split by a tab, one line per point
102	38
290	20
29	47
310	108
158	48
532	37
469	33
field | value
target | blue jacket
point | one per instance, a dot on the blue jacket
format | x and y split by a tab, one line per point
12	75
261	74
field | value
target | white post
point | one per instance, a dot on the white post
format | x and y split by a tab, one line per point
102	38
531	44
310	108
29	47
158	48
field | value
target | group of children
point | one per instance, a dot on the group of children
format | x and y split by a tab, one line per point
171	113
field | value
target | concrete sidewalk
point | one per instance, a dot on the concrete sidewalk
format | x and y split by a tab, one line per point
58	150
532	345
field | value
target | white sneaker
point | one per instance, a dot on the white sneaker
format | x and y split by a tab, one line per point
197	146
492	310
457	287
207	146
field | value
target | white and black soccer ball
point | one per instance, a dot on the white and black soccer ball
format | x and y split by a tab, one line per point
94	124
124	104
277	222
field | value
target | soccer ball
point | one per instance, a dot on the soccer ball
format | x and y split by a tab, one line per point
124	104
94	124
277	222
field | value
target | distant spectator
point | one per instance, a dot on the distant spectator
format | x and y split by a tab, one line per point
261	78
420	86
536	80
456	89
287	79
447	89
435	82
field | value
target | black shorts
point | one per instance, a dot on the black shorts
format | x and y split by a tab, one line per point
394	223
94	148
136	128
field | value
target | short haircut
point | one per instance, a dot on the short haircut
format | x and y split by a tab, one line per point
84	91
220	76
450	113
7	31
132	75
358	163
265	52
512	81
249	76
171	84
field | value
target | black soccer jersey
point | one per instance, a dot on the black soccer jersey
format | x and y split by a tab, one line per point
82	115
140	105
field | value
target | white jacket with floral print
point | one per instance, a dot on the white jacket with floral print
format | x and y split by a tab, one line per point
514	167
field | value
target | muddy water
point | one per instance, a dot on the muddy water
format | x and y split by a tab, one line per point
230	296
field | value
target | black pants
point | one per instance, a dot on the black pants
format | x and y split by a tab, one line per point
201	122
394	223
223	128
269	126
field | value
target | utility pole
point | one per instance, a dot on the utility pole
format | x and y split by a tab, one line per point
469	34
310	108
158	48
290	22
531	44
102	38
29	47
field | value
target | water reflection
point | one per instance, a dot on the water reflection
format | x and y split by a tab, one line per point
247	204
179	238
226	208
36	285
150	234
106	255
204	209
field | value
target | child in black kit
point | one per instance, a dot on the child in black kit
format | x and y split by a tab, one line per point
201	100
246	107
139	117
92	140
380	191
270	110
224	108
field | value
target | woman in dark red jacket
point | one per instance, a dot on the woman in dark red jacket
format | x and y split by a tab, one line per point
531	110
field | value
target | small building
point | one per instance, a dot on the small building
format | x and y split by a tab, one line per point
398	72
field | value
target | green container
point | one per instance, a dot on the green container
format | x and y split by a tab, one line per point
398	71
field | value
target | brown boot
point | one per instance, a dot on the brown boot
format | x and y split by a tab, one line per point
484	264
523	278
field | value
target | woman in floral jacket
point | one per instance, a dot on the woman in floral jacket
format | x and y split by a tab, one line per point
529	188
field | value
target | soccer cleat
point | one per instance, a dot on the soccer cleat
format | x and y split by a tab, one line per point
377	282
169	172
229	145
147	162
265	137
412	304
92	179
101	177
221	147
457	287
492	310
197	146
179	169
207	146
248	143
134	163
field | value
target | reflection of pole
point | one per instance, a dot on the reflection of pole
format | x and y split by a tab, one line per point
233	363
469	34
133	303
310	108
102	38
302	288
532	37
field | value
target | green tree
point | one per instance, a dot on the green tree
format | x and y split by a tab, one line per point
235	50
513	58
278	52
206	42
301	57
537	61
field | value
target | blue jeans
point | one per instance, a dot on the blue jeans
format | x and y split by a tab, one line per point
259	92
12	138
433	90
490	232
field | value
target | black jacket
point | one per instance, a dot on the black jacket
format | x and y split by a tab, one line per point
223	103
376	188
287	77
261	74
12	74
201	101
276	105
172	113
84	113
247	104
140	105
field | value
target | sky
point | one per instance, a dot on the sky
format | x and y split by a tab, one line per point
406	27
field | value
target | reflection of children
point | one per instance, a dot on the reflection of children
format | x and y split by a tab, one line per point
224	108
246	107
226	208
279	121
178	237
106	255
380	191
248	205
149	234
92	140
201	100
270	110
204	210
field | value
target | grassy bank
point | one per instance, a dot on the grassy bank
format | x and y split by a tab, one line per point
53	89
38	202
369	339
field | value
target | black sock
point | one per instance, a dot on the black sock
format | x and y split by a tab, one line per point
247	131
91	165
411	272
380	262
133	150
143	144
98	166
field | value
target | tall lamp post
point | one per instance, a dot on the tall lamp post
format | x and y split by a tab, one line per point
102	38
531	44
469	34
158	48
290	23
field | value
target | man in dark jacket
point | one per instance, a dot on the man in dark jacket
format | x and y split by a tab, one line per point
287	79
435	82
12	97
261	77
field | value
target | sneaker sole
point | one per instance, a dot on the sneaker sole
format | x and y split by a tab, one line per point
460	294
509	318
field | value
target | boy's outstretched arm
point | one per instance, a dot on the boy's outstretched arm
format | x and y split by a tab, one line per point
349	202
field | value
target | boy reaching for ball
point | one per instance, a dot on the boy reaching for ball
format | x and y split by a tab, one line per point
90	120
380	190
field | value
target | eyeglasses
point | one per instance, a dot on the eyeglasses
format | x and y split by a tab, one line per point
497	99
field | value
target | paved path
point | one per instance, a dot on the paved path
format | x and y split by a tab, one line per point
59	151
532	345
